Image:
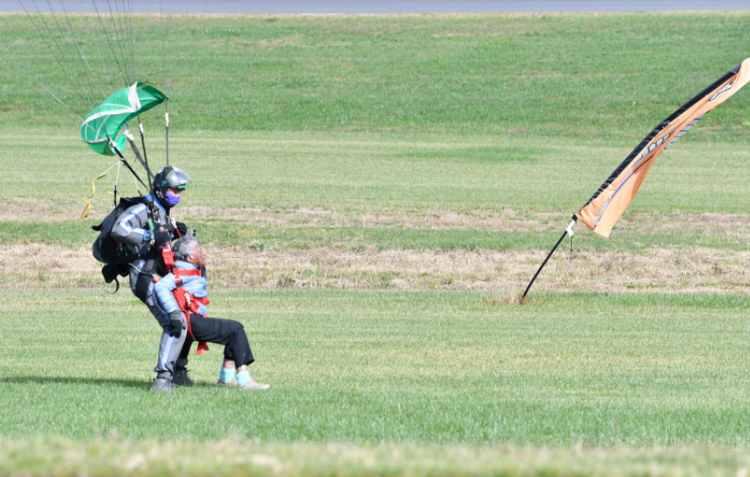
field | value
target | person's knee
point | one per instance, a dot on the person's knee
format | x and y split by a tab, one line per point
237	331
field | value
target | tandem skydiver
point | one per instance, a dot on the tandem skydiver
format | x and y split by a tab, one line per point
147	227
183	294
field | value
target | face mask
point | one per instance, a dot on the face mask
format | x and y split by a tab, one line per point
171	198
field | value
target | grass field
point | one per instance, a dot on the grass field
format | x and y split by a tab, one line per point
374	193
456	372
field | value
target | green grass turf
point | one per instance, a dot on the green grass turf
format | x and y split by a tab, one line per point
53	457
528	113
403	114
420	368
574	75
358	173
438	382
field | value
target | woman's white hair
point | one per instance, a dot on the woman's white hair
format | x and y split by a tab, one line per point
183	247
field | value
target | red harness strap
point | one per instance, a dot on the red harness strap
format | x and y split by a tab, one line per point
185	300
188	303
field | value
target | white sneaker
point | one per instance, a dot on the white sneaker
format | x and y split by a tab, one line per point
250	384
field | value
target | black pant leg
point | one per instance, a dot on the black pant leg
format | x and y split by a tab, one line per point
183	359
230	333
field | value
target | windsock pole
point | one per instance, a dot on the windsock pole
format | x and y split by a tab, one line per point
568	232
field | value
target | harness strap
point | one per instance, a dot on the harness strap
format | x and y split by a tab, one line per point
178	272
185	300
202	345
189	305
193	309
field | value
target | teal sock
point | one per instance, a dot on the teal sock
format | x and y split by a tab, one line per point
226	374
242	378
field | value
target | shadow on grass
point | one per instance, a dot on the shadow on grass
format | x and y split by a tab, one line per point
125	383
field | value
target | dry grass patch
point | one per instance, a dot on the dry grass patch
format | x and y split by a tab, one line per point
35	210
673	269
670	270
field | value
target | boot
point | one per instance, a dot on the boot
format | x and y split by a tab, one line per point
162	384
181	378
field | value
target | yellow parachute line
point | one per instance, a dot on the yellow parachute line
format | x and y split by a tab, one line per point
87	208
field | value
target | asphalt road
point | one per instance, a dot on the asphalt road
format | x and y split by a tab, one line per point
383	6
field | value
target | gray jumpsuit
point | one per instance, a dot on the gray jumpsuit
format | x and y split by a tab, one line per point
131	228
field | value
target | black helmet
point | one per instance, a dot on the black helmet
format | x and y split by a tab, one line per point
169	177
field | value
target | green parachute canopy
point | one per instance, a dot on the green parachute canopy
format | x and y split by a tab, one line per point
101	127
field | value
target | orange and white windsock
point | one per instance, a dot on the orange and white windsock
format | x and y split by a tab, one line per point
606	206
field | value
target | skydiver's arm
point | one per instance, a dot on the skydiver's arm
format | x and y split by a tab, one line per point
130	227
164	288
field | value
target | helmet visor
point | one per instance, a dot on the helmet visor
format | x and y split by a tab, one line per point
176	179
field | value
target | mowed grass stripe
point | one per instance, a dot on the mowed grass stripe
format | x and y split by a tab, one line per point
402	177
429	368
494	173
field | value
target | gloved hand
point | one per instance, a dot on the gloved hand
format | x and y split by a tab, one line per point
175	328
182	228
162	236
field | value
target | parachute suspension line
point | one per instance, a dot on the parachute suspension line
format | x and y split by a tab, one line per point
117	59
166	117
137	178
138	189
104	62
129	9
170	57
166	41
127	16
133	56
145	155
172	52
137	154
122	37
89	72
178	46
117	180
23	66
59	56
80	58
166	47
87	207
118	33
63	59
161	37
